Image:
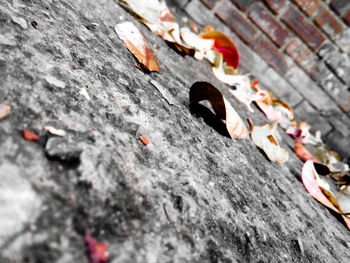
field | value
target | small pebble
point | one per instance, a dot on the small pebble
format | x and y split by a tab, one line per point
20	21
58	148
52	81
7	41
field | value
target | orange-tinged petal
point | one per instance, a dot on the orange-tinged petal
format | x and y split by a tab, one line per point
134	40
224	45
302	152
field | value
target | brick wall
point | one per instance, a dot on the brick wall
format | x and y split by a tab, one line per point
299	49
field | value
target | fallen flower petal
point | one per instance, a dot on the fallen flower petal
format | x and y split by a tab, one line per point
294	131
284	108
242	90
264	100
284	111
265	137
199	44
311	181
224	45
5	111
134	40
55	131
30	136
223	109
156	16
240	83
306	135
270	113
302	152
144	140
309	178
97	252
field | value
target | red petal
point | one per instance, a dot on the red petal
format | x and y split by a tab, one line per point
224	45
30	136
97	252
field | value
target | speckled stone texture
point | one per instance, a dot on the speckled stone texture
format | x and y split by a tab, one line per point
191	195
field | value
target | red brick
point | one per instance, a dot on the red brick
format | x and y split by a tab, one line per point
340	6
237	22
295	20
243	4
209	3
272	55
309	6
276	5
347	18
262	17
329	24
301	54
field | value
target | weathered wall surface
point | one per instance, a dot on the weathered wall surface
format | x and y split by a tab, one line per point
299	49
191	195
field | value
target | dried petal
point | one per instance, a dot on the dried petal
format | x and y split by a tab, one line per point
265	137
294	131
30	136
199	44
153	13
264	100
134	40
309	178
97	252
55	131
311	182
223	109
144	140
307	137
225	46
5	111
284	108
270	113
302	152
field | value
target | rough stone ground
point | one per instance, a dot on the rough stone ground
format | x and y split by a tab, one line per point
191	195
